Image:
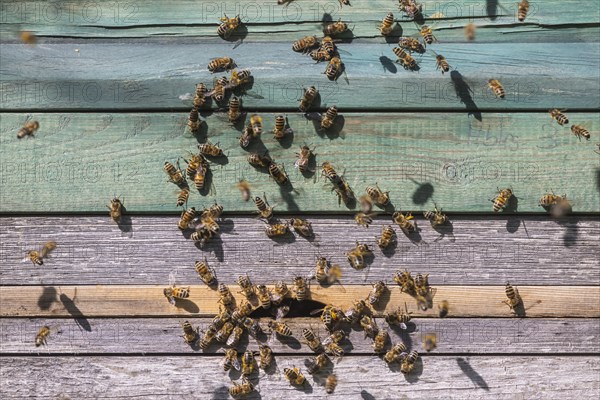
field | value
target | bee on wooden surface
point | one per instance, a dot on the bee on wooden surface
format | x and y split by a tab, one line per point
278	173
354	314
375	294
302	227
225	297
369	326
335	350
300	288
549	199
334	69
411	44
201	235
402	57
308	98
335	337
243	389
206	273
410	7
357	254
195	162
234	110
344	192
328	119
378	196
328	170
321	269
580	132
174	174
264	209
427	33
239	78
221	64
281	128
380	341
259	160
235	336
363	219
266	356
116	208
248	289
246	137
330	316
335	28
398	317
264	296
228	25
422	285
430	342
224	333
366	204
408	363
37	258
406	282
394	354
441	63
501	199
522	10
28	37
28	129
495	86
41	337
387	25
209	149
345	2
252	326
172	293
190	335
218	92
404	221
274	230
194	121
200	176
256	125
231	360
558	116
248	363
223	316
281	290
183	196
387	237
280	328
320	55
328	46
470	30
305	44
330	383
312	340
207	337
200	95
436	217
187	216
241	312
294	376
316	363
443	308
514	299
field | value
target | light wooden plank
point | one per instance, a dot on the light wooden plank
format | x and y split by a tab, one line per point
477	250
548	21
119	301
154	75
163	336
503	377
451	159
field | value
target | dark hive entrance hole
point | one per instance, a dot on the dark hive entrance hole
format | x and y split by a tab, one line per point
298	309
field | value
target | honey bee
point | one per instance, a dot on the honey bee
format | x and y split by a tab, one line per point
398	317
187	217
278	174
312	340
248	363
369	325
28	129
248	289
200	95
436	217
320	55
549	199
172	293
259	161
321	269
264	296
335	28
411	44
328	46
281	129
335	337
190	335
182	197
279	328
281	290
256	124
366	204
243	389
443	308
116	208
228	25
354	314
580	132
328	170
252	326
231	360
330	315
42	336
335	350
246	137
233	112
406	282
496	87
224	333
300	288
422	285
344	192
380	341
363	219
501	199
264	209
558	115
378	196
522	10
28	37
394	354
427	33
470	31
334	69
514	299
408	363
329	117
441	63
294	376
387	237
175	174
275	230
240	313
194	120
209	149
223	316
430	342
244	188
407	61
404	221
410	7
356	255
305	44
387	25
375	294
206	274
240	77
225	297
302	227
207	337
37	258
235	336
200	176
314	364
308	98
221	64
218	92
330	383
213	212
201	235
266	356
196	162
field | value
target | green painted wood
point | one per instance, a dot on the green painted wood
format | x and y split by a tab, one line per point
549	21
77	162
153	76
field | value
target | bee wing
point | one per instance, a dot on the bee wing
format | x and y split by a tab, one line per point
315	312
172	300
26	259
186	97
231	339
403	326
282	311
172	276
236	364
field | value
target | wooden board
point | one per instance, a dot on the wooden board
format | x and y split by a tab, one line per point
153	76
490	377
477	250
108	336
78	162
120	301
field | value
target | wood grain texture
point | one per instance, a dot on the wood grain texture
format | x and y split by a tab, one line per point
120	301
153	76
477	250
163	336
450	159
502	377
548	21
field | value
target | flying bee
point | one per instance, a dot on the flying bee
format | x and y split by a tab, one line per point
561	207
427	33
248	289
558	115
244	188
411	44
187	217
194	121
495	86
231	360
514	299
209	149
234	110
281	290
281	128
394	354
366	204
369	325
353	315
501	199
430	342
224	333
225	297
580	132
218	92
243	389
406	282
378	196
330	383
264	209
256	124
200	95
380	341
302	227
280	328
235	336
375	294
404	221
398	317
522	10
206	273
334	68
305	44
300	288
259	161
470	31
172	293
363	219
241	312
221	64
37	258
387	25
387	237
183	196
441	63
275	230
207	337
28	129
335	337
116	208
436	217
335	28
329	117
28	37
312	340
335	350
266	356
316	363
308	98
248	363
408	363
278	173
190	335
407	61
294	376
42	336
241	77
228	25
174	173
443	308
264	296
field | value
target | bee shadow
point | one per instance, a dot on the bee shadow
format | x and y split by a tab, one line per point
395	34
208	178
221	160
201	134
305	388
416	372
213	245
336	129
187	305
414	236
491	9
287	194
240	123
125	224
511	205
366	395
257	146
289	341
464	93
388	64
222	392
237	35
47	297
391	249
75	312
472	374
226	225
571	234
385	298
423	193
513	224
444	230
